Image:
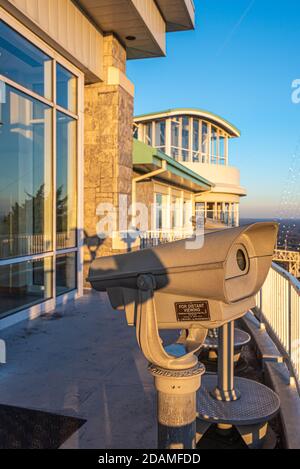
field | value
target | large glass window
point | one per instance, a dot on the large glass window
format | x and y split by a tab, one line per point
66	185
185	138
176	213
187	214
200	216
196	135
66	89
25	176
149	133
160	135
226	214
65	273
135	132
210	210
222	159
175	129
162	212
25	284
159	211
214	145
204	141
191	139
24	63
28	188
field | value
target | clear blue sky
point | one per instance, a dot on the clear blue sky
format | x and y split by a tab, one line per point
240	62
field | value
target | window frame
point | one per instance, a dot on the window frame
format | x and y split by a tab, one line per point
11	23
157	135
174	144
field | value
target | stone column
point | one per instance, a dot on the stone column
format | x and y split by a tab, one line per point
107	145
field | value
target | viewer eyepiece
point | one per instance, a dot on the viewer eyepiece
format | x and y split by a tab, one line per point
241	260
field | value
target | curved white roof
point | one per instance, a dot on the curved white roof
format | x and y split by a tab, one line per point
206	115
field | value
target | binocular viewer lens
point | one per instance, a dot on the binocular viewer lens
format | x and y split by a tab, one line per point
241	260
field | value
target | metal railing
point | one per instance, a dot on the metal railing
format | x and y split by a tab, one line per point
19	245
279	303
22	245
228	218
154	238
289	258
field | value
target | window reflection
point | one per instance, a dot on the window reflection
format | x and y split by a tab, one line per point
196	140
175	153
66	89
159	211
25	176
65	273
24	63
214	145
148	133
66	181
185	138
187	214
222	149
204	140
190	139
175	129
135	132
160	135
25	284
176	213
27	187
210	212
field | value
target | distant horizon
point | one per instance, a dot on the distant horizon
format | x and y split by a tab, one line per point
270	218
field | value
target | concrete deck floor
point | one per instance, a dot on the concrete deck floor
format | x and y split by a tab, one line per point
83	361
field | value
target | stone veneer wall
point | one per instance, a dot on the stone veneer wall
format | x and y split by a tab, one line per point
107	149
145	195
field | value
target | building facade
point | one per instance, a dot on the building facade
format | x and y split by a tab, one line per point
66	115
199	140
166	190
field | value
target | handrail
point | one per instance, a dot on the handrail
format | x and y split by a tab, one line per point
279	304
156	237
284	273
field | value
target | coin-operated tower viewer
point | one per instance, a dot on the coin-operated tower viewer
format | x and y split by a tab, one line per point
174	287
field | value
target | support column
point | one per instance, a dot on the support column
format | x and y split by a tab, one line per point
176	406
108	146
237	214
225	389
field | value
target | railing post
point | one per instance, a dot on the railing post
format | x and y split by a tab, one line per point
290	319
259	306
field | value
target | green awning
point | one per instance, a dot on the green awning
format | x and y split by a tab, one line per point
147	159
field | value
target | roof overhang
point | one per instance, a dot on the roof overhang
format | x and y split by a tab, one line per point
178	14
147	159
141	25
229	189
209	116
